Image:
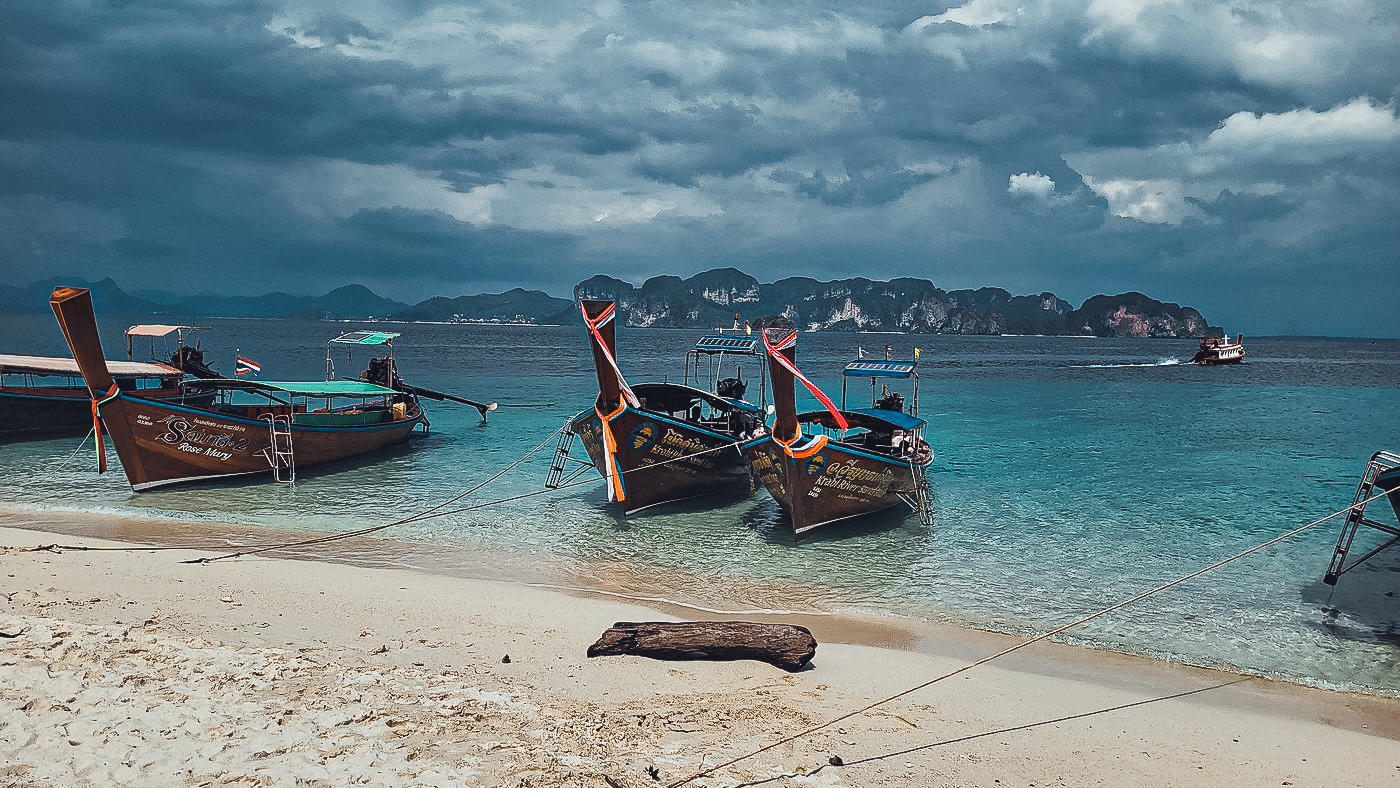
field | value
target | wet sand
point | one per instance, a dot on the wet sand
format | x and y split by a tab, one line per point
124	665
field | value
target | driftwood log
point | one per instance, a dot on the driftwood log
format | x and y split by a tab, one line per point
785	645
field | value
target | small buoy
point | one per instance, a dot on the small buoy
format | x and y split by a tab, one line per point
505	660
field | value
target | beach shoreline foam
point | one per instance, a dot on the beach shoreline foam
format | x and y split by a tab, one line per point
129	666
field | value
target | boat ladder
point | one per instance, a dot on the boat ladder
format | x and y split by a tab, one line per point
1381	462
560	473
284	466
923	495
920	499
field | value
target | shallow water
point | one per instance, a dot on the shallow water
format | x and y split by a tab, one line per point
1071	473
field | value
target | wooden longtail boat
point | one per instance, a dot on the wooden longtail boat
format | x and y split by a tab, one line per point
659	443
44	397
1219	350
820	477
252	427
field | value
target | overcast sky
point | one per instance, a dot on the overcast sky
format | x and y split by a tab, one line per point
1239	157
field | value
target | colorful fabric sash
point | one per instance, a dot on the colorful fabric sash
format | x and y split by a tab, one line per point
612	469
593	325
813	445
112	394
785	343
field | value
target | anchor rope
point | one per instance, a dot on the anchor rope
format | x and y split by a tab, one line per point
1024	643
423	515
426	514
432	513
1013	729
70	457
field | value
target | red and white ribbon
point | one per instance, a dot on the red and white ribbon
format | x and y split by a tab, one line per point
789	341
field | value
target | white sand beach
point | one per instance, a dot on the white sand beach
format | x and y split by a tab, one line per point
129	667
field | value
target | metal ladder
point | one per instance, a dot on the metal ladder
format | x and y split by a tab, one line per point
1380	462
920	499
562	457
923	494
280	452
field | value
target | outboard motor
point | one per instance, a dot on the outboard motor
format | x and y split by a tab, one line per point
891	401
381	372
731	388
190	360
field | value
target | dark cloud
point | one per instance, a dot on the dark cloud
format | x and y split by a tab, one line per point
1183	149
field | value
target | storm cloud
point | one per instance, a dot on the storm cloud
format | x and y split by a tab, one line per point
1240	157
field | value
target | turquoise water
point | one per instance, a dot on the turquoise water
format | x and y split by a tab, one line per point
1071	473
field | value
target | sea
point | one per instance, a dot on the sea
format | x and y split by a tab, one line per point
1071	473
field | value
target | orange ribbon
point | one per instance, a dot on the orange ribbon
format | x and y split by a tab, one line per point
818	443
612	471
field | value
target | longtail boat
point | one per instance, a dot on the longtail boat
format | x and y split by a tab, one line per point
1220	350
834	464
250	427
43	396
659	443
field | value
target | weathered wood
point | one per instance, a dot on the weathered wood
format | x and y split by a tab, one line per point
785	645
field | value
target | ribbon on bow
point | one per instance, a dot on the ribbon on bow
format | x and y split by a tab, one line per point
612	469
593	325
785	343
112	394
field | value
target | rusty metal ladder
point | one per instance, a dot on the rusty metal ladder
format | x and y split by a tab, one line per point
279	453
1380	462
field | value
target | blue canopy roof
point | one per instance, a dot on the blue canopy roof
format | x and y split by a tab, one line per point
879	369
865	418
674	396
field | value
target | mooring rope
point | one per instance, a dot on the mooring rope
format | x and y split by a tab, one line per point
426	514
434	512
1023	644
1002	731
70	457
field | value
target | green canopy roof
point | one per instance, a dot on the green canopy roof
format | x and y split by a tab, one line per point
365	338
312	388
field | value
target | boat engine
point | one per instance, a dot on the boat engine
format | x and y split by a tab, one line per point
891	401
381	372
731	388
190	360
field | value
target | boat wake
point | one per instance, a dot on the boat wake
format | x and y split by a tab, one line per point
1161	362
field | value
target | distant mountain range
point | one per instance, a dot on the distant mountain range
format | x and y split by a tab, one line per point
706	300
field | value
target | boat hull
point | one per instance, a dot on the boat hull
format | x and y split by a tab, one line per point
1220	354
32	412
1390	482
834	483
162	444
663	460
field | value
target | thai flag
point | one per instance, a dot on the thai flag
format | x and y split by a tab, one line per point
244	366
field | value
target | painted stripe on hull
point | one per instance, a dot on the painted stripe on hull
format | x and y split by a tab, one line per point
161	444
27	413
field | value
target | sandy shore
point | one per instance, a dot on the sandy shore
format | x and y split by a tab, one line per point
128	667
